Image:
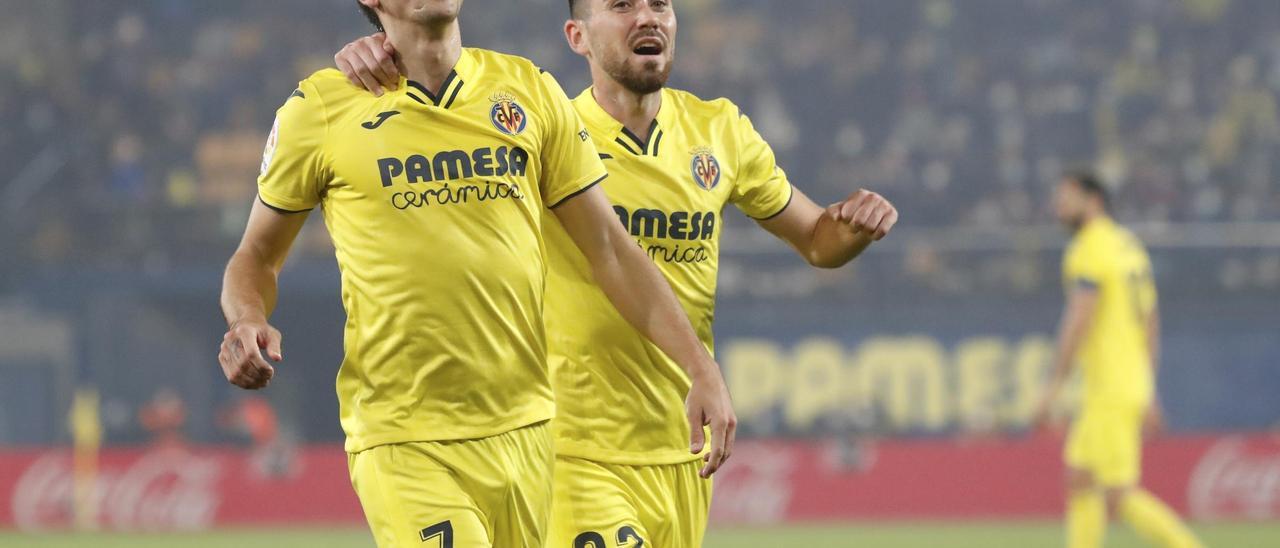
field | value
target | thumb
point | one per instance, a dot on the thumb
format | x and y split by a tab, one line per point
697	438
273	346
833	211
270	341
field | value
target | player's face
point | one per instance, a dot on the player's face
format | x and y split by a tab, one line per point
1069	202
634	41
423	11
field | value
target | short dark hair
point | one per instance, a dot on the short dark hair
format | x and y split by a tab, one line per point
371	15
1090	184
575	9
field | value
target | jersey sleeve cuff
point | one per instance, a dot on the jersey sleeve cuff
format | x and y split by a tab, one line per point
1086	283
283	206
790	196
581	187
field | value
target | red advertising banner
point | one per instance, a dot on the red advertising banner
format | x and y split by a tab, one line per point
1206	477
175	488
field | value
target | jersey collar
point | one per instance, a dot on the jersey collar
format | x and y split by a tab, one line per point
449	91
1096	224
601	122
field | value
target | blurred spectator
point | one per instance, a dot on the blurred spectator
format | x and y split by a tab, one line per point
163	417
254	418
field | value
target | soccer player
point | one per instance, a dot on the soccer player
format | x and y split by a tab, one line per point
1111	323
436	197
624	474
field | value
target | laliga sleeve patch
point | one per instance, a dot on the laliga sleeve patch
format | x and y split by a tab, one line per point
270	150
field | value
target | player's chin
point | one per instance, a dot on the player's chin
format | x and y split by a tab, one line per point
652	72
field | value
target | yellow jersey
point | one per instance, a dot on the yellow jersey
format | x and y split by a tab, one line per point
620	399
1114	355
435	203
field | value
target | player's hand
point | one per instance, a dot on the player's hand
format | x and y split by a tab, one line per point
370	63
709	404
865	212
241	353
1153	423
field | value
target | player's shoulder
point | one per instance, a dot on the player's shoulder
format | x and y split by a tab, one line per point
327	93
1086	246
307	107
718	119
1117	237
508	66
719	108
329	83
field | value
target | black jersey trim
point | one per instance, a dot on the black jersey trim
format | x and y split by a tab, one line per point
1086	283
644	144
454	95
784	206
282	210
625	145
579	191
444	87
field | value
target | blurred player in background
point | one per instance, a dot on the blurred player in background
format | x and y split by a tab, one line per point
1112	325
435	198
623	474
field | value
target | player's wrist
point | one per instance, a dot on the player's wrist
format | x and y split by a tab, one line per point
702	371
249	319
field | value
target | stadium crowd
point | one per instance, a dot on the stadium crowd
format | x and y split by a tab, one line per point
134	139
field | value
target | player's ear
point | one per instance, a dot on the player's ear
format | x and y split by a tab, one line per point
575	32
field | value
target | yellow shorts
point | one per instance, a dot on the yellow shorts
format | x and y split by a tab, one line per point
1108	443
488	492
600	505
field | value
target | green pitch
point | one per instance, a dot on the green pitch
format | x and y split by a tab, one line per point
899	535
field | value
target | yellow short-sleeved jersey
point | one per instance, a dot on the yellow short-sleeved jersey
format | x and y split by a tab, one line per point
619	398
435	203
1115	355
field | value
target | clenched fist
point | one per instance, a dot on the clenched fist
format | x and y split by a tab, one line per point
241	354
865	212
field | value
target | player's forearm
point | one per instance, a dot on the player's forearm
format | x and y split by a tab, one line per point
643	297
834	244
1070	334
248	288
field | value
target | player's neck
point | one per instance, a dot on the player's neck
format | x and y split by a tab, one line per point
635	111
1091	216
429	53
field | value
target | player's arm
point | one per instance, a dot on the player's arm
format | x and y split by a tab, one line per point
832	237
1077	318
1155	414
643	297
249	296
289	185
824	238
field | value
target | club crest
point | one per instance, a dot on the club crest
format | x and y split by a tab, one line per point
507	115
705	168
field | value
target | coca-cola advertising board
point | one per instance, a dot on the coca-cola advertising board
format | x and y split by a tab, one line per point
1205	477
178	488
767	481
